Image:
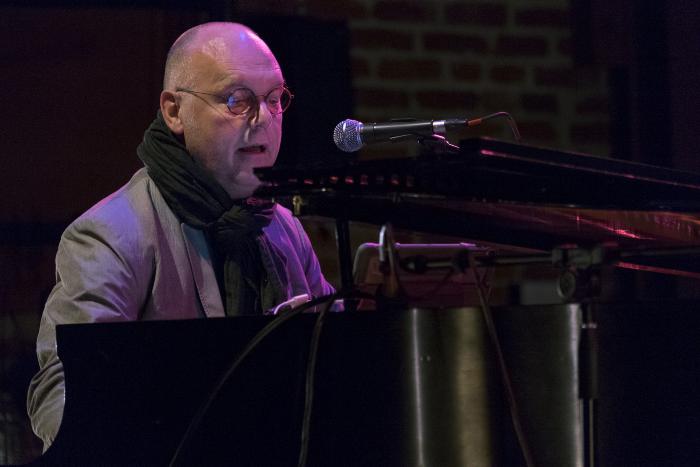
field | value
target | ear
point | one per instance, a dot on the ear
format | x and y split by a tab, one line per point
170	108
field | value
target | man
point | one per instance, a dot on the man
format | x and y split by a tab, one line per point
183	239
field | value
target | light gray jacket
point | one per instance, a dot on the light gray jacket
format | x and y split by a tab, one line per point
130	258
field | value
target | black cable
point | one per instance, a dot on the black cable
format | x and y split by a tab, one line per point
509	118
252	344
309	389
503	368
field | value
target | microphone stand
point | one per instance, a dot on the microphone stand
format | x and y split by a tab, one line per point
342	238
588	382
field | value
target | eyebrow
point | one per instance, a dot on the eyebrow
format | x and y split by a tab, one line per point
235	85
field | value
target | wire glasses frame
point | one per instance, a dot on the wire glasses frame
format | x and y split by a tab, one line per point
243	101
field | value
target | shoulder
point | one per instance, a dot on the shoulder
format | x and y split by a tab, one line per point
127	218
289	235
284	223
107	257
126	204
284	215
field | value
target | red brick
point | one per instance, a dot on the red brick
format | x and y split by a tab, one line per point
565	46
540	103
409	69
403	10
438	99
593	105
493	101
377	38
558	77
589	76
482	14
530	46
454	42
537	131
543	17
466	71
347	9
360	67
587	133
281	7
507	74
380	97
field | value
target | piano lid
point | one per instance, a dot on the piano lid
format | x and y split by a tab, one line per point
495	171
505	193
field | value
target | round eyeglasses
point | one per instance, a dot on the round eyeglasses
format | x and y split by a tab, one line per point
243	101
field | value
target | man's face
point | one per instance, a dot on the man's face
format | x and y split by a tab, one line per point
229	145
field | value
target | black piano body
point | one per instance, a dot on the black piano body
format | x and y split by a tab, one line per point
396	388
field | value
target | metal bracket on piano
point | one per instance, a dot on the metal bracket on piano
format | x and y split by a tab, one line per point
297	205
581	276
579	280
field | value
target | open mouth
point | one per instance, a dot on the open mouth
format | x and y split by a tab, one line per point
252	149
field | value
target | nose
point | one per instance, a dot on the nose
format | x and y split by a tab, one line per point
262	116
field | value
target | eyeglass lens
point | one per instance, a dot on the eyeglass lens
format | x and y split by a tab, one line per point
242	101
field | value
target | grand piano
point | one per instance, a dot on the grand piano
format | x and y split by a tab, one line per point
602	374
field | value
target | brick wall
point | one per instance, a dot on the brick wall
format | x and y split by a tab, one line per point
451	58
434	59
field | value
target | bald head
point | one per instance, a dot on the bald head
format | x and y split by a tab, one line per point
234	43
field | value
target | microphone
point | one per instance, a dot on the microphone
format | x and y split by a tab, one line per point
350	135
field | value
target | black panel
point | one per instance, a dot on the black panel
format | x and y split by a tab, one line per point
392	388
315	61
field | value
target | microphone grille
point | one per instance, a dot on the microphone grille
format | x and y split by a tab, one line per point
347	135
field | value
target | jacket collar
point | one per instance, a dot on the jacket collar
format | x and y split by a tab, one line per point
203	271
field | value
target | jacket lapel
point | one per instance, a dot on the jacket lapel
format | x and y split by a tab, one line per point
203	271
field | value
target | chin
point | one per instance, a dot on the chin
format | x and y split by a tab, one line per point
243	184
263	162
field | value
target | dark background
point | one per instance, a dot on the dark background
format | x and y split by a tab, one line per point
80	83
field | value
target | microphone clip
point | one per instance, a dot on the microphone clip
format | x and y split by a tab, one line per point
435	143
438	144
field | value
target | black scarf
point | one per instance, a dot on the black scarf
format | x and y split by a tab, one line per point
248	282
